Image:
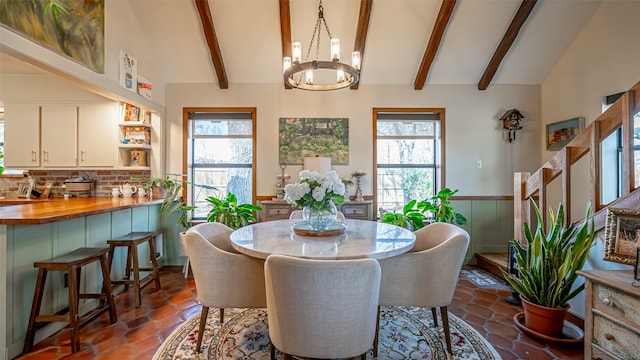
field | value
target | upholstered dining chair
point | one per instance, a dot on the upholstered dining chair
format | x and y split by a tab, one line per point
224	278
427	275
297	214
322	308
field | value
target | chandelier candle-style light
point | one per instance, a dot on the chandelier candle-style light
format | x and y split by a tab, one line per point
299	74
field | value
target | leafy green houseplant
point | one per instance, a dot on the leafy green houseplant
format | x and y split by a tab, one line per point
227	211
440	209
437	208
548	262
410	218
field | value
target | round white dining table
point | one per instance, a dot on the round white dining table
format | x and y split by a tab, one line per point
362	239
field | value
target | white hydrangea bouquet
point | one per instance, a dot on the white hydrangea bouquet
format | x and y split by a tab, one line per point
315	190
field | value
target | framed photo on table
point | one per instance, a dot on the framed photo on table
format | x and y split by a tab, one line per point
561	133
24	189
47	190
622	235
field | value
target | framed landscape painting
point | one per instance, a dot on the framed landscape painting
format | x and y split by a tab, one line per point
622	232
309	137
72	28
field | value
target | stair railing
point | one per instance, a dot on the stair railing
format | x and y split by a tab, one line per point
587	142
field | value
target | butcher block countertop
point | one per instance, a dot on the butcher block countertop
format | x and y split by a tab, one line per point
58	209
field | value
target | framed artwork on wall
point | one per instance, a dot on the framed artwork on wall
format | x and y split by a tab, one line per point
561	133
310	137
73	29
622	232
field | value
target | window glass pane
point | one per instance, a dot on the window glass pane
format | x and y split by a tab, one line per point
222	151
416	151
405	128
636	148
225	180
223	127
398	186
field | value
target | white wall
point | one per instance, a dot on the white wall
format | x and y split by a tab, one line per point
602	60
473	131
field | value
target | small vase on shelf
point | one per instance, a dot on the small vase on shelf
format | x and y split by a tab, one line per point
320	218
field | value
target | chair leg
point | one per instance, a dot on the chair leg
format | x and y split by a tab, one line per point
74	284
272	351
445	325
185	268
221	316
136	275
35	310
203	322
435	317
375	338
154	262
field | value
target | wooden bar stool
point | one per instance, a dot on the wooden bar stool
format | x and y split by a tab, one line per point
131	241
72	263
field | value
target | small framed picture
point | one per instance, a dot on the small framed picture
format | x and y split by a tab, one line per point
561	133
24	189
47	190
622	232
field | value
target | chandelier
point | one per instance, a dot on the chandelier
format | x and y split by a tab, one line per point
299	74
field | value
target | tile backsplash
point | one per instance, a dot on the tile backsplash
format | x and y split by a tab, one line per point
104	180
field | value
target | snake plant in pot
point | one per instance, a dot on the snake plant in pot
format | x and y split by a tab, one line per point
547	266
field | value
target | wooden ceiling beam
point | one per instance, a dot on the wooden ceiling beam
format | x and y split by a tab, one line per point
444	15
505	44
212	42
285	30
361	32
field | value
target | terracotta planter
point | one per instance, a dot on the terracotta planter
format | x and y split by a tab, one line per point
544	320
158	192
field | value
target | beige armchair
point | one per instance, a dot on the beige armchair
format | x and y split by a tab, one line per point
224	278
297	214
427	275
322	308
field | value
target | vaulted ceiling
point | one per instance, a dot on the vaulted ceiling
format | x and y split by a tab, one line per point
413	42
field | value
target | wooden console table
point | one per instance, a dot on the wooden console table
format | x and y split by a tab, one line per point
280	210
612	315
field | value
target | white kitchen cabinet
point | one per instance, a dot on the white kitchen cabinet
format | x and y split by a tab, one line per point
22	136
96	134
58	135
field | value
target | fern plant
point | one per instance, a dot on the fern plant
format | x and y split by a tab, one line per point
548	263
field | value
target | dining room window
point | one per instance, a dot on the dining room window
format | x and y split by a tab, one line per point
220	155
408	155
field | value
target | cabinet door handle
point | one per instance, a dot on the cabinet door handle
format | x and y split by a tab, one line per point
609	337
82	156
45	156
608	302
33	156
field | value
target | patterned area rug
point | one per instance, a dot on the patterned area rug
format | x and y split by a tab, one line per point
484	279
405	333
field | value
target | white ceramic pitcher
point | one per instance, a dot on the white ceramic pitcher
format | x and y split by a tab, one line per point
127	189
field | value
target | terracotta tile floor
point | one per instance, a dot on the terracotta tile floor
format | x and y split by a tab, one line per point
140	331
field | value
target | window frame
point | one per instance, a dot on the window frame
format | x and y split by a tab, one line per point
439	177
186	195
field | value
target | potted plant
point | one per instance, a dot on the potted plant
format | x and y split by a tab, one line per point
440	209
547	266
410	218
163	188
230	213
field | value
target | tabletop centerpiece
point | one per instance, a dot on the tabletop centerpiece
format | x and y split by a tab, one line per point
317	195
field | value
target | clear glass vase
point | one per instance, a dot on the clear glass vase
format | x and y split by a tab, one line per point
320	218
